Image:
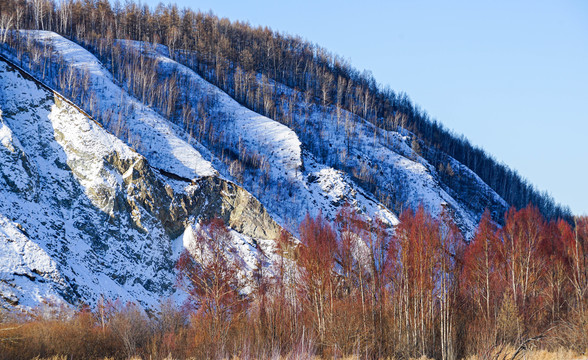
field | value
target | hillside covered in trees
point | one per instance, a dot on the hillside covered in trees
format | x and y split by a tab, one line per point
245	62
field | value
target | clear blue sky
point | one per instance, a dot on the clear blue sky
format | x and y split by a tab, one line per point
512	76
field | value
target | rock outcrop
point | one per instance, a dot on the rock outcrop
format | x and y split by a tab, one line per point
82	215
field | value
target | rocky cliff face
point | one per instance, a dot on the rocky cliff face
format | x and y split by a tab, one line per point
83	215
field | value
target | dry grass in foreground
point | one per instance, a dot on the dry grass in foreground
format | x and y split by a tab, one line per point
503	353
510	353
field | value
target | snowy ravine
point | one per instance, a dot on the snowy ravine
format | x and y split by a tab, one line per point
82	215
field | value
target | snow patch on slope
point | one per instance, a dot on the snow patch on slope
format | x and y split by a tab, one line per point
27	273
256	133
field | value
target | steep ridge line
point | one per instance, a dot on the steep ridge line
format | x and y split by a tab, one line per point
31	77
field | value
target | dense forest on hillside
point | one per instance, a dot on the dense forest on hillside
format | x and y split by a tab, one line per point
348	288
244	61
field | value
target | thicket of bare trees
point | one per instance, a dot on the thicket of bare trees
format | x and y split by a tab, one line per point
348	288
241	60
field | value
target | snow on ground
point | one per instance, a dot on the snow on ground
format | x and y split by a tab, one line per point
24	267
335	187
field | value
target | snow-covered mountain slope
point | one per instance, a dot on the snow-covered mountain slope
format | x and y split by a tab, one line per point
314	161
82	215
288	181
85	213
285	178
245	130
342	150
339	150
312	187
